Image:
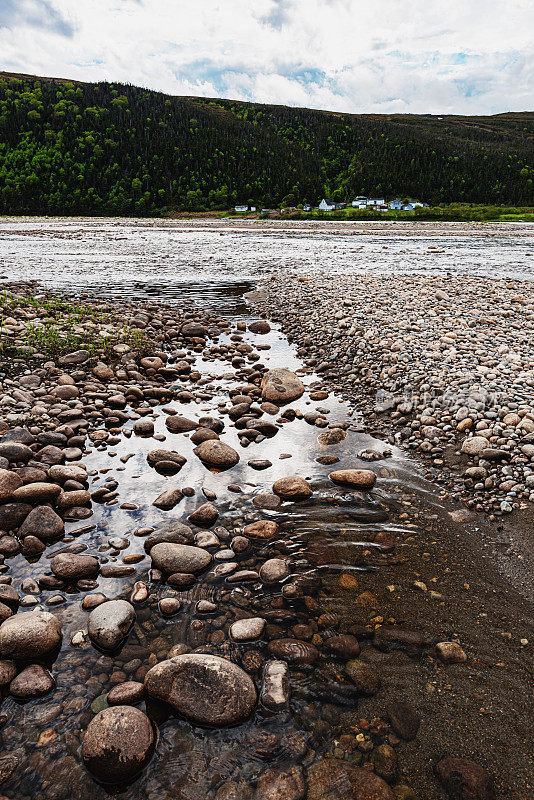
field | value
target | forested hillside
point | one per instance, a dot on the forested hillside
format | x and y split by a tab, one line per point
74	148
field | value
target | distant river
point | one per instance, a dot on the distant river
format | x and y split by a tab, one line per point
209	260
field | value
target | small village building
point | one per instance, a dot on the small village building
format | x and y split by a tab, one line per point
327	205
376	201
395	205
241	208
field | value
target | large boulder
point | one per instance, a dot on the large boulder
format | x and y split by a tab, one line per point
110	622
118	743
281	386
332	779
171	558
206	689
29	635
216	454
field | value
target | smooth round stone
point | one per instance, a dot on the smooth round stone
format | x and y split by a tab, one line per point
281	386
15	451
37	493
178	424
274	570
206	607
91	601
292	488
175	532
169	606
171	558
33	681
118	743
127	694
260	463
109	623
473	445
217	454
465	780
181	580
204	516
246	630
143	427
205	689
263	529
357	478
270	502
72	567
363	676
203	435
260	327
206	539
294	650
29	635
450	652
139	592
404	719
344	646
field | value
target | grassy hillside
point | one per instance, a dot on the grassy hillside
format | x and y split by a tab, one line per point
75	148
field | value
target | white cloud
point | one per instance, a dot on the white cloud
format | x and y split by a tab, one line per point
347	55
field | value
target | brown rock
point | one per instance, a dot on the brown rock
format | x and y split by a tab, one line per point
127	694
262	529
71	566
33	681
9	482
332	779
281	386
204	516
118	743
44	523
292	488
294	650
357	478
465	780
281	784
29	635
217	454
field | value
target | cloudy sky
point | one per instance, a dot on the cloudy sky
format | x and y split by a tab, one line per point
434	56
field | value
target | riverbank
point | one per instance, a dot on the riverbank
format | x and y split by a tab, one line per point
348	585
440	364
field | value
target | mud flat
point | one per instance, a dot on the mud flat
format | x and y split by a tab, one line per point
209	568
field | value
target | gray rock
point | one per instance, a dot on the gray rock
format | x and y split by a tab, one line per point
170	558
247	630
29	635
274	570
204	688
109	623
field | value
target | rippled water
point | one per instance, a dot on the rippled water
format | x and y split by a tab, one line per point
468	710
210	260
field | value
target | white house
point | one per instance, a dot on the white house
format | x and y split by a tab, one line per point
407	207
360	201
376	201
327	205
241	208
307	208
395	205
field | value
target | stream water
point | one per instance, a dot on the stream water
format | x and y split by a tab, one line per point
357	556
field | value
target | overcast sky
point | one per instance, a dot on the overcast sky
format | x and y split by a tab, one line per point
434	56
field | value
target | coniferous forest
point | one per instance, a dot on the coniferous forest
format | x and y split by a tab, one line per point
111	149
